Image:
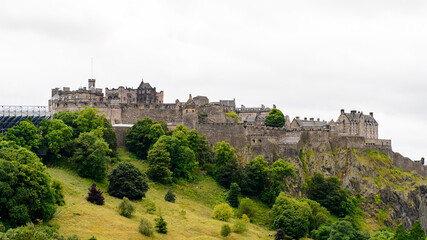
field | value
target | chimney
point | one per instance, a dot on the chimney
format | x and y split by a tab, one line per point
342	111
297	118
311	119
372	114
305	118
422	161
353	112
318	119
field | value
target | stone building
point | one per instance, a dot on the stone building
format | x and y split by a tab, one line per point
357	124
144	94
308	124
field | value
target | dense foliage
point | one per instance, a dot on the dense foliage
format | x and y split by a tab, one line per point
25	134
225	230
90	156
25	187
57	138
328	192
145	227
143	134
170	196
339	230
275	118
222	212
127	181
160	163
161	225
32	232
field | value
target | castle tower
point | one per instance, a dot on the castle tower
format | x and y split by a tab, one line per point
91	83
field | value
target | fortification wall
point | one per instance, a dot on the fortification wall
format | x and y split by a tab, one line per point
408	165
235	134
121	135
167	113
341	141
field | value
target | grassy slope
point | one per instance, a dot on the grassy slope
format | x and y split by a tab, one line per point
188	218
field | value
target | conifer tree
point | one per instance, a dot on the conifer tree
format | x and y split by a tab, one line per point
161	225
233	195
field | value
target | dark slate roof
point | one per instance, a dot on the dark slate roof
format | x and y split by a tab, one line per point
230	103
144	85
357	115
311	123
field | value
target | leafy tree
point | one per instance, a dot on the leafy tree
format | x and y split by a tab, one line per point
161	225
275	118
344	230
33	232
417	232
225	230
170	196
127	181
284	202
95	195
25	134
126	208
328	192
160	161
90	156
240	226
382	234
200	146
248	207
57	137
143	135
322	233
145	227
257	173
25	187
222	212
319	215
226	169
293	223
68	118
183	161
233	195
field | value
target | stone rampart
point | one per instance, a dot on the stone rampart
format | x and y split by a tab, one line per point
408	165
233	133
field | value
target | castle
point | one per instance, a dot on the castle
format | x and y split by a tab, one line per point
124	106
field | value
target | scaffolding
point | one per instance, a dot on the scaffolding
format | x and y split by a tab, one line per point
12	115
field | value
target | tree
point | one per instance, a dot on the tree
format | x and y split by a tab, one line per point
200	146
400	233
126	208
68	118
257	173
382	234
293	223
226	169
90	156
233	195
95	195
328	192
160	161
322	233
248	207
170	196
417	232
319	215
57	137
275	118
161	225
222	212
127	181
143	135
25	187
25	134
284	202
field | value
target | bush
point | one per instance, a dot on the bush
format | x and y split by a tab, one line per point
95	195
293	223
222	212
145	227
247	206
126	208
161	225
280	234
225	230
233	195
170	196
241	225
127	181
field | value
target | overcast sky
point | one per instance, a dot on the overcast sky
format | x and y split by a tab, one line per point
310	58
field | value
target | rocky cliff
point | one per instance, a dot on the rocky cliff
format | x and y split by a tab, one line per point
392	196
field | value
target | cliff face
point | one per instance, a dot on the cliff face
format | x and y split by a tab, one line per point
392	196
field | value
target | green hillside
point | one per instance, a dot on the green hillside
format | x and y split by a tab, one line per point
188	218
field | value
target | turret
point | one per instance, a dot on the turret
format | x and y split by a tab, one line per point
91	84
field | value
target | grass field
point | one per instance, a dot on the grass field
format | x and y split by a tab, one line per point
188	218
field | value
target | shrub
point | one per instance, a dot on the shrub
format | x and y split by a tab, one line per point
417	232
126	208
95	195
240	226
145	227
280	234
92	238
246	218
170	196
292	222
222	212
161	225
225	230
127	181
233	195
246	206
